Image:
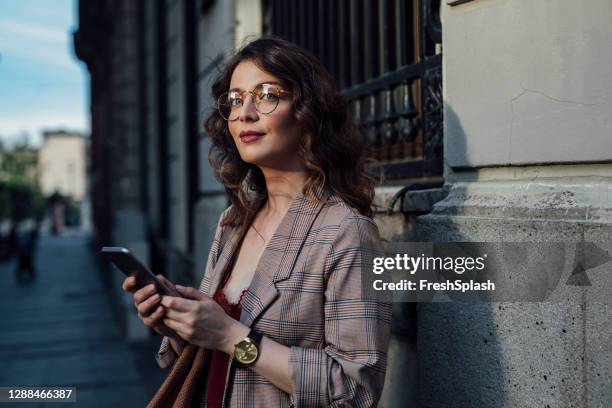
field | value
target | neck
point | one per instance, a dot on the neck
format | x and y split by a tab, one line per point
283	186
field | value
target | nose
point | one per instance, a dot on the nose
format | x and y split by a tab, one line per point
248	111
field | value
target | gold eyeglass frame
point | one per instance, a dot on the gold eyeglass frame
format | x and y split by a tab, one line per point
264	86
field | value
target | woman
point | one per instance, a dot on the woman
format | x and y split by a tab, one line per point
280	318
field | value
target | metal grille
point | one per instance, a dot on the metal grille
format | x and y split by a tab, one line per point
386	55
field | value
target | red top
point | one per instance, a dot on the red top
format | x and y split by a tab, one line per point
220	361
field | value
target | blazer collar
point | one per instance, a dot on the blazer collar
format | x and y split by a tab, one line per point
277	260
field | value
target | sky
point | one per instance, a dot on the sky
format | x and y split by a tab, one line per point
42	84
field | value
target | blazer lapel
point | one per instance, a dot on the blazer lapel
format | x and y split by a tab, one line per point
229	242
280	254
227	251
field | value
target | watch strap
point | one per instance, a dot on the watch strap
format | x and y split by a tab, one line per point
256	337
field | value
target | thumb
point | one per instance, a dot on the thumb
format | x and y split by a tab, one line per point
165	281
190	293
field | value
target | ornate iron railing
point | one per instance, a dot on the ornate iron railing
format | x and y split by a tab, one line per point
386	55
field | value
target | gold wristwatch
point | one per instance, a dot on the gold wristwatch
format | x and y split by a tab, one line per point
246	352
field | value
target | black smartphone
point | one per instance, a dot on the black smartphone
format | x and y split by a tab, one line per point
127	263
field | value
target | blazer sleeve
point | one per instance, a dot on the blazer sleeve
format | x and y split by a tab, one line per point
350	368
166	356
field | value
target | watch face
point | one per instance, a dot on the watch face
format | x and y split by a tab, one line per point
246	352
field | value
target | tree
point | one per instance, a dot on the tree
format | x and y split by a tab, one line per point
20	195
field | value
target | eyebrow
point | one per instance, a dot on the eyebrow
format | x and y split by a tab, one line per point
261	83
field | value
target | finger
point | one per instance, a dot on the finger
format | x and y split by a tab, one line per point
178	304
165	281
183	317
146	307
155	317
129	284
190	293
142	294
178	327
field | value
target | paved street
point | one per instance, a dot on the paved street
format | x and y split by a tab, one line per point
61	330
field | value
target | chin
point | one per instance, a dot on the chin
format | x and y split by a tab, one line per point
265	160
254	158
259	161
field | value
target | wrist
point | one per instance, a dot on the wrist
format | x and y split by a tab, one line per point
237	332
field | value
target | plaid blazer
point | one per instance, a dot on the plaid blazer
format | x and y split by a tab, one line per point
306	294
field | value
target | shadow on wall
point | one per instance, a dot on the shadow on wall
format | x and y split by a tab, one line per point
459	356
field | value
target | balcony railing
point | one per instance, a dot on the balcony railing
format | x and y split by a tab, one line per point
386	55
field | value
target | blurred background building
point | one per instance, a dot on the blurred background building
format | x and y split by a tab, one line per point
62	172
62	164
489	120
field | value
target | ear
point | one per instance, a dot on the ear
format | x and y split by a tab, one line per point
305	145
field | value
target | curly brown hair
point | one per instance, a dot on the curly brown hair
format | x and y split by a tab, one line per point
332	146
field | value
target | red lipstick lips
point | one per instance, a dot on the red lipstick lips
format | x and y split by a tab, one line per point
248	136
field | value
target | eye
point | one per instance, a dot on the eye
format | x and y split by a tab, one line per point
235	100
268	96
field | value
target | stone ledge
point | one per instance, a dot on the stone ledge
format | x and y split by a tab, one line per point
576	199
422	200
383	195
456	2
412	200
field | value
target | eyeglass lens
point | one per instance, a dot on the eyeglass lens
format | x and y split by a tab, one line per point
265	99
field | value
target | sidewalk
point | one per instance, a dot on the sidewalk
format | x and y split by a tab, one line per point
59	330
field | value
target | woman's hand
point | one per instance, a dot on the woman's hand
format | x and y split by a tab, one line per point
199	320
147	301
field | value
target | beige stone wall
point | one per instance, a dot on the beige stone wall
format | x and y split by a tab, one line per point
62	165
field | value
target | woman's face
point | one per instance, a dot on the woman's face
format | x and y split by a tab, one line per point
276	138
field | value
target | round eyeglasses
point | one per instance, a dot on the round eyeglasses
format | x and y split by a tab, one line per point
265	98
